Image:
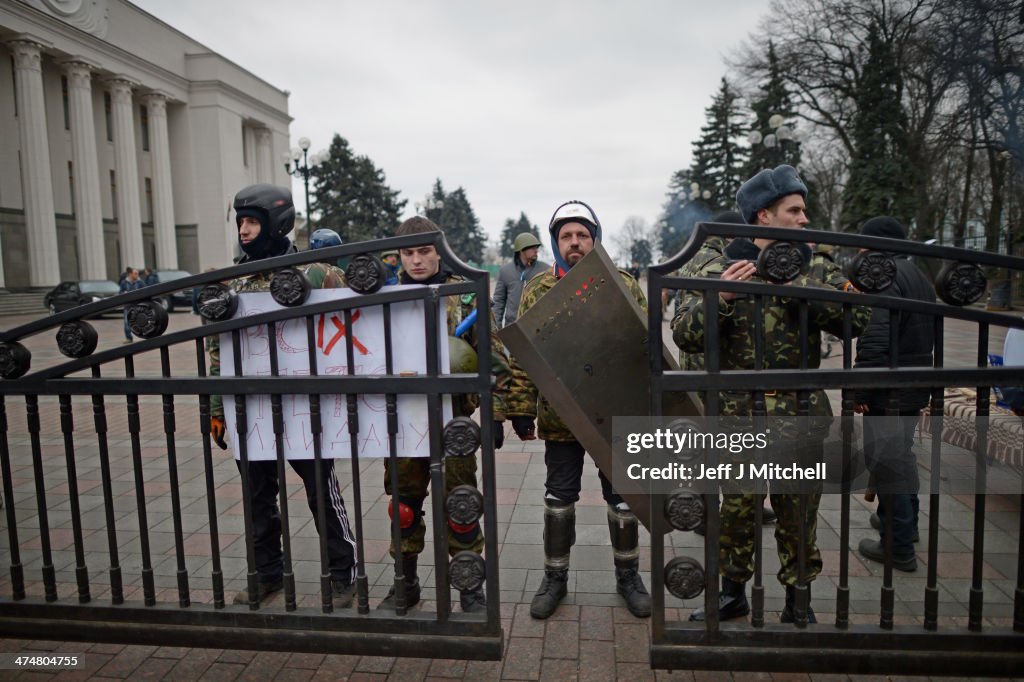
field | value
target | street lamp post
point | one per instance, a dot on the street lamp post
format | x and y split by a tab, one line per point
293	168
775	140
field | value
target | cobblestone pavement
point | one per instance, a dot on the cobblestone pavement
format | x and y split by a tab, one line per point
591	636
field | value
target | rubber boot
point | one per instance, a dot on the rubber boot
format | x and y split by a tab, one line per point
412	585
732	602
787	615
623	528
559	532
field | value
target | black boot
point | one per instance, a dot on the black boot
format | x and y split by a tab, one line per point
789	611
732	602
412	585
473	601
631	587
552	591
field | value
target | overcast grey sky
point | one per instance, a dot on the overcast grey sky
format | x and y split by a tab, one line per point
525	104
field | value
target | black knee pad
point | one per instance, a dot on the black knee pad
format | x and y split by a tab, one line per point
559	527
625	535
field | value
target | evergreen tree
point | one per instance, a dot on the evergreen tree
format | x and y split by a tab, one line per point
454	214
718	160
513	228
351	196
880	174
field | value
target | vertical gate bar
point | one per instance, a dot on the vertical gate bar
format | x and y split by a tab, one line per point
657	507
976	601
49	578
99	415
172	472
843	589
316	428
1018	594
801	591
241	432
17	570
937	418
277	416
134	427
395	479
217	577
67	427
431	310
487	454
760	412
352	405
892	411
712	363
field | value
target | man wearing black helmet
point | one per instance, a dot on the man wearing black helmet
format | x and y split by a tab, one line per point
508	287
574	230
265	215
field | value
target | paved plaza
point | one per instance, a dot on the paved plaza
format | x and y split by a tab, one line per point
591	636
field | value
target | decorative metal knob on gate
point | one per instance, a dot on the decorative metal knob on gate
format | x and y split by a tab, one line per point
872	271
782	262
14	360
465	505
461	437
77	339
687	455
290	287
466	572
147	319
684	510
217	302
684	577
960	284
365	274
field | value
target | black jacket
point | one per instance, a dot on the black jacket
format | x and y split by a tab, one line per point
916	338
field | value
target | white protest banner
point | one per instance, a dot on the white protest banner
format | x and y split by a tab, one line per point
408	343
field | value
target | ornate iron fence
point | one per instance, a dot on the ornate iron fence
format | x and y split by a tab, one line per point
123	565
977	632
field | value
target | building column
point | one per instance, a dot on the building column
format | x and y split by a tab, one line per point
36	177
129	213
264	156
92	262
163	193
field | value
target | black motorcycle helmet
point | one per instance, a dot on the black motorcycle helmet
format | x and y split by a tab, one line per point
272	206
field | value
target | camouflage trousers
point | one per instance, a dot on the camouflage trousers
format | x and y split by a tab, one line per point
413	480
736	542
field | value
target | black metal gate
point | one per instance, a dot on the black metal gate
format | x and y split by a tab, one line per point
966	627
147	561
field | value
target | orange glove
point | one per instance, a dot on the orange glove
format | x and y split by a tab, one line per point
217	430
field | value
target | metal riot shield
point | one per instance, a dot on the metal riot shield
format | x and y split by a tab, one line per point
584	345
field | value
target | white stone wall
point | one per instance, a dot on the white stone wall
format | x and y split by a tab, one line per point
205	99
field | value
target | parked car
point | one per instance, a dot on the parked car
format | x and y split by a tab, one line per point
182	299
72	294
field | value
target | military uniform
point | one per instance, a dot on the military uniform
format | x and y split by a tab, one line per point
781	350
262	475
414	472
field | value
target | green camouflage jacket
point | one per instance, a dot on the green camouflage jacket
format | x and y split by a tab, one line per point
781	329
458	309
526	399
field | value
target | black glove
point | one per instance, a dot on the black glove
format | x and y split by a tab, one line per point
499	434
217	429
523	426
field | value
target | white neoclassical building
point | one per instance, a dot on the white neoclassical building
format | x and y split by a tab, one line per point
122	141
